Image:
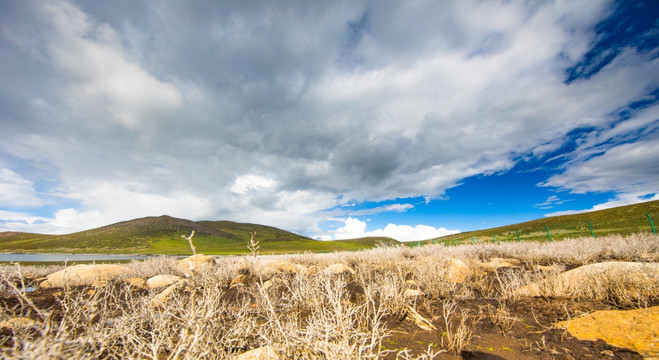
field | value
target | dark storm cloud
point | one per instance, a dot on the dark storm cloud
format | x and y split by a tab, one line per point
278	110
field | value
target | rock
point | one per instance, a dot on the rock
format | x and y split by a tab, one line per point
238	280
637	330
457	271
16	323
161	299
497	263
283	267
268	284
339	268
262	353
419	320
160	281
412	283
599	281
136	283
80	275
544	268
413	293
195	264
311	270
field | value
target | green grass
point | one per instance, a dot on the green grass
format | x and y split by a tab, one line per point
162	235
620	220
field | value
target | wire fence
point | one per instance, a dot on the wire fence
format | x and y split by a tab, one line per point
552	229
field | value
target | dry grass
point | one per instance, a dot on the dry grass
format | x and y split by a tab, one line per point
302	315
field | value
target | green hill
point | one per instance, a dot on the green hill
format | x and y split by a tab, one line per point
371	241
162	235
619	220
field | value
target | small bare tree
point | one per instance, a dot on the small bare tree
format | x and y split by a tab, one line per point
253	245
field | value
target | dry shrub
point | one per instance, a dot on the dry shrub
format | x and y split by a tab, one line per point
299	315
500	317
458	325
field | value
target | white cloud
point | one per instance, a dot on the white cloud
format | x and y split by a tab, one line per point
551	201
620	200
16	191
399	208
251	182
355	228
102	79
266	113
626	168
103	204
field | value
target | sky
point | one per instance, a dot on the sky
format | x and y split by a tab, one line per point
330	119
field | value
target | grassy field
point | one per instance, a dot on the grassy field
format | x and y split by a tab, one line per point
162	235
619	220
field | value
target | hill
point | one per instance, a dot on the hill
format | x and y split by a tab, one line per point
371	240
162	235
619	220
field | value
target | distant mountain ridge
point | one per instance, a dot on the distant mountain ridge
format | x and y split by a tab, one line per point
162	235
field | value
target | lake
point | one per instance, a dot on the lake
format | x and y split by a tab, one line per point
41	258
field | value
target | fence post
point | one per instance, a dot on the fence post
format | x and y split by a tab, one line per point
517	232
548	236
458	241
494	238
651	224
591	228
472	240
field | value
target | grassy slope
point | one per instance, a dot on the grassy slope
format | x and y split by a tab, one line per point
620	220
162	235
371	241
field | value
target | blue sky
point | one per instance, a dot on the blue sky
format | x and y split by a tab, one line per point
329	119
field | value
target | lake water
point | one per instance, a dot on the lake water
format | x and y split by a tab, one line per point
9	257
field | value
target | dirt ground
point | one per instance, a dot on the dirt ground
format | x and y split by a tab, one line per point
532	334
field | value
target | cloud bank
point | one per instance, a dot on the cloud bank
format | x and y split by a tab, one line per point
275	113
355	228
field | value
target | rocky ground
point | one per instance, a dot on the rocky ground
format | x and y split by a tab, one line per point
586	299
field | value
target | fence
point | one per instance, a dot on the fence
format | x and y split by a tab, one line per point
551	229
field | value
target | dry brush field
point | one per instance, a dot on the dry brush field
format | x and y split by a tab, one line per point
587	298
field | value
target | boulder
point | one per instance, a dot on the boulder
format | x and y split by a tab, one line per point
311	270
419	320
413	293
135	282
544	268
160	281
631	280
195	264
457	271
262	353
411	283
16	323
497	263
269	283
238	280
637	329
81	275
283	267
337	269
161	299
